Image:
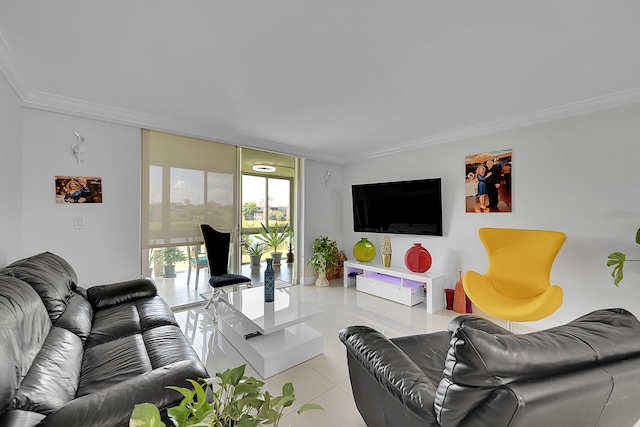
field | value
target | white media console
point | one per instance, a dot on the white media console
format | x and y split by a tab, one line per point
397	284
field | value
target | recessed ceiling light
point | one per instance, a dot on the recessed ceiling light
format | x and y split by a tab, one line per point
264	168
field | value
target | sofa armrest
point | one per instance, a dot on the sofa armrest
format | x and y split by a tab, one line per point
117	293
114	405
391	367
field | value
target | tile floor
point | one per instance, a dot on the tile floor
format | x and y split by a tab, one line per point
324	379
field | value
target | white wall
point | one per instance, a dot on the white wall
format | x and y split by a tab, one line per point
577	175
322	209
10	172
107	249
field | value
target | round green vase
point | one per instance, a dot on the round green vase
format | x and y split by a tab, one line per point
364	250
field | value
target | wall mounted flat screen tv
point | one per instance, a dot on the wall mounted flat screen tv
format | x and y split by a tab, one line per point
400	207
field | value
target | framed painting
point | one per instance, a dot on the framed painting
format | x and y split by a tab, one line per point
78	189
487	182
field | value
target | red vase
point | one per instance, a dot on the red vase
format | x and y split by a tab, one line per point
417	259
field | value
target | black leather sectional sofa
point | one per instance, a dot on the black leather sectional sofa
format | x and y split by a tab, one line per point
84	357
477	374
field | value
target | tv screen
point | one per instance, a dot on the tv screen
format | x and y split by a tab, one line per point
401	207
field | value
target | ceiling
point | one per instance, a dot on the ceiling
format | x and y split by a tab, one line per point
332	80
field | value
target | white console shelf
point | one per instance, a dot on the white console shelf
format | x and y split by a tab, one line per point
397	284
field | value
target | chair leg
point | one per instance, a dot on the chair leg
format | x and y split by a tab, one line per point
189	274
197	276
215	298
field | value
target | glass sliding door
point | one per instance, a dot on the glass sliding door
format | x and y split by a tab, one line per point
268	199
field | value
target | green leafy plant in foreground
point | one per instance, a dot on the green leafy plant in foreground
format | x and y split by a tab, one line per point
617	260
237	401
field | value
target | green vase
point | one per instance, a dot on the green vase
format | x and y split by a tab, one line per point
364	250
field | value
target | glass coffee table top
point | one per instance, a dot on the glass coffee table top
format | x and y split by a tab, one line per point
288	309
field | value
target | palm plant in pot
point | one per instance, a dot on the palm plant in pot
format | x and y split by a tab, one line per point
323	254
275	237
229	399
254	250
171	256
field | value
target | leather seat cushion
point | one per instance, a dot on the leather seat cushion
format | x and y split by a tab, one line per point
117	321
52	379
112	362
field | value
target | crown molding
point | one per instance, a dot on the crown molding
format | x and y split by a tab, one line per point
55	103
9	67
592	105
60	104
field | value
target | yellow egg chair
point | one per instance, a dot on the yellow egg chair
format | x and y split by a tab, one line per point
516	286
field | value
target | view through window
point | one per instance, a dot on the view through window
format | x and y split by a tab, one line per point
265	201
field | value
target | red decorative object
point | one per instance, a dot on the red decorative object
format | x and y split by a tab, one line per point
459	297
449	295
417	259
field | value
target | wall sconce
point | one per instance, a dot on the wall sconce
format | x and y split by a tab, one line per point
327	177
79	147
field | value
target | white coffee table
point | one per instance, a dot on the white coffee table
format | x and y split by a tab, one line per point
272	336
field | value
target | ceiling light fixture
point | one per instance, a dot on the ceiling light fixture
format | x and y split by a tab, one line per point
264	168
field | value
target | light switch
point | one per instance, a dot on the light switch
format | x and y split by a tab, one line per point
78	222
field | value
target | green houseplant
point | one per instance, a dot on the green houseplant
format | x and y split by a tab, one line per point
171	256
229	399
617	260
323	254
274	237
290	253
254	250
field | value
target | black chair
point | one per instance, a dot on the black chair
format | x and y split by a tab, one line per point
217	244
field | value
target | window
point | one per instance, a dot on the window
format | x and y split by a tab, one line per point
186	182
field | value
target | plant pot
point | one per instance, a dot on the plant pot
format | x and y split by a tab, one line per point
255	260
277	256
322	281
169	271
290	257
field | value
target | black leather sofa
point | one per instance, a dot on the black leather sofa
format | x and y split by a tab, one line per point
477	374
76	357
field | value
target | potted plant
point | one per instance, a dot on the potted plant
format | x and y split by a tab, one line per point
255	250
234	400
323	254
617	260
290	253
170	257
275	237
